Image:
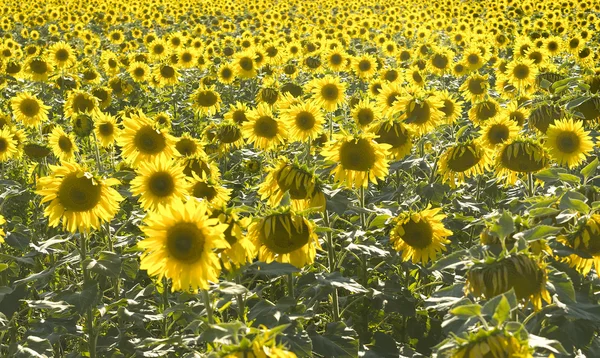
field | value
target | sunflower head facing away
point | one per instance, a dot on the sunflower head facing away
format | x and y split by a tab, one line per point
585	238
463	160
420	236
520	155
490	343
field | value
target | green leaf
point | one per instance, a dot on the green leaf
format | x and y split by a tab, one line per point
545	343
48	305
538	232
540	212
338	341
450	261
336	280
109	264
576	204
299	343
3	267
230	288
560	283
502	311
504	227
272	269
569	178
589	169
81	300
467	310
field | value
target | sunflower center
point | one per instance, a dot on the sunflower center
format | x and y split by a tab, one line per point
204	191
305	120
416	76
149	141
29	107
186	57
485	111
186	146
158	49
229	134
391	75
330	92
106	129
246	63
475	86
365	116
439	61
567	142
206	98
417	234
226	73
239	117
39	66
185	242
79	194
284	237
65	144
420	114
463	161
61	55
364	65
391	98
521	71
357	155
497	134
3	145
473	59
392	135
82	104
266	127
139	72
167	71
336	59
161	184
448	108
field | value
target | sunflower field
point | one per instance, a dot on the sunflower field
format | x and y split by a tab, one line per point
292	178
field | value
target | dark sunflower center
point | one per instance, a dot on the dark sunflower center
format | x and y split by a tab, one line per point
517	117
463	161
364	65
229	134
38	66
266	127
330	92
186	146
552	46
158	49
391	98
448	107
475	86
417	234
521	159
185	242
305	120
485	111
226	73
365	116
149	141
416	76
62	55
269	95
106	129
336	59
198	167
186	57
246	63
139	72
357	155
79	194
204	191
29	107
3	145
439	61
206	98
167	71
82	103
521	71
473	59
281	241
239	117
65	144
497	134
392	135
567	142
161	184
420	114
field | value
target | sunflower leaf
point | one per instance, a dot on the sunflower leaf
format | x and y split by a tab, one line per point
502	311
467	310
538	232
589	170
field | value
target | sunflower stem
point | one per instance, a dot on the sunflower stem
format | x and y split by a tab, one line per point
97	153
90	311
290	282
208	305
165	298
531	184
361	199
240	299
331	258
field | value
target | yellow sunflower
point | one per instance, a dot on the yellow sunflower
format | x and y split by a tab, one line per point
180	243
105	129
396	134
475	88
388	96
27	108
452	106
359	159
139	71
286	237
263	129
497	131
62	55
76	196
463	160
80	102
241	249
8	145
186	145
365	66
304	121
421	112
585	237
420	236
63	145
142	142
244	64
209	190
521	73
2	233
568	143
159	182
206	101
492	343
328	92
365	113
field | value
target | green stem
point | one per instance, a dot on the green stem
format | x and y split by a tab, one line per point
90	312
165	298
97	152
331	259
531	184
290	282
240	299
208	305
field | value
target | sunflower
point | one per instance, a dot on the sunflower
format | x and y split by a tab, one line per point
158	50
492	343
209	190
481	112
568	143
28	109
300	182
82	200
521	73
388	97
244	64
328	92
8	145
62	55
365	113
200	166
585	238
475	88
396	134
463	160
359	159
520	155
180	243
237	113
440	61
452	106
166	74
206	101
263	129
139	71
335	59
544	115
227	135
285	237
517	113
420	236
497	131
226	74
162	119
473	58
80	102
186	145
105	129
38	68
526	275
364	66
421	112
141	141
62	144
241	249
304	121
159	182
2	233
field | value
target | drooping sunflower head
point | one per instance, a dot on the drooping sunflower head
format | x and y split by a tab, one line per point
421	112
585	238
396	134
484	111
568	143
200	166
544	115
242	250
521	272
419	236
76	196
492	343
38	68
520	155
463	160
286	237
359	159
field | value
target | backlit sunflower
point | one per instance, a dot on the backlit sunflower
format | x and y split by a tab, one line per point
492	343
180	243
105	129
62	55
8	145
365	113
585	238
206	101
286	237
497	131
452	107
141	141
481	112
388	97
263	129
475	88
241	249
38	68
80	102
304	121
237	113
328	92
209	190
226	74
568	143
82	200
63	145
518	156
420	236
421	112
186	145
159	182
300	182
463	160
396	134
521	73
227	135
200	166
27	108
495	276
359	159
